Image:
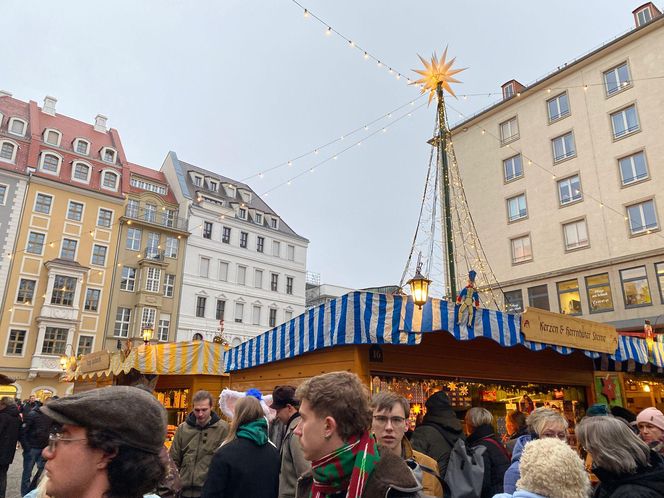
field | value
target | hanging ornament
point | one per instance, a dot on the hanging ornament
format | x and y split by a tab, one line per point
452	386
463	390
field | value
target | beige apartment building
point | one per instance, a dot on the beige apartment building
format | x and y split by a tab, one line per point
565	180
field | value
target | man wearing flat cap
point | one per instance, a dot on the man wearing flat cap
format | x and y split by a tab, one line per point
108	444
293	463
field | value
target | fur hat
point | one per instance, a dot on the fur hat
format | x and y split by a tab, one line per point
653	416
549	467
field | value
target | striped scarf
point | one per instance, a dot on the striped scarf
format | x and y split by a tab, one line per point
346	468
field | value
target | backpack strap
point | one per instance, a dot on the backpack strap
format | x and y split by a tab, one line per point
500	446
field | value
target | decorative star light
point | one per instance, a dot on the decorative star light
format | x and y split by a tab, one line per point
452	386
463	390
435	72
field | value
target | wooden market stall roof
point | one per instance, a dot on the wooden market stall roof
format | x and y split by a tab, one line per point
372	318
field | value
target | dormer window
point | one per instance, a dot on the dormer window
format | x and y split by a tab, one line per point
52	137
242	213
274	223
246	195
198	181
82	146
50	163
230	190
17	127
8	151
108	155
81	172
109	180
643	16
258	218
214	186
508	90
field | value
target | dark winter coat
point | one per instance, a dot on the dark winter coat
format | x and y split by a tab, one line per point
10	422
647	482
496	460
437	435
511	443
242	469
37	427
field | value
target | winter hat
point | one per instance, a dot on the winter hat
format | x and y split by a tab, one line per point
132	415
653	416
438	402
283	396
598	410
549	467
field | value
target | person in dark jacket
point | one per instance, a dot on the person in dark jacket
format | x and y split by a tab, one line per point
515	422
10	421
36	429
439	430
479	427
625	466
247	464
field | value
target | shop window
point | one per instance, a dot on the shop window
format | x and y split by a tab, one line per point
569	297
514	301
659	269
636	290
600	298
538	297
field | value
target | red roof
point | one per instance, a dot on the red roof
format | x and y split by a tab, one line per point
148	174
13	108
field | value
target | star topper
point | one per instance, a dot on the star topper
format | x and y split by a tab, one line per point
438	71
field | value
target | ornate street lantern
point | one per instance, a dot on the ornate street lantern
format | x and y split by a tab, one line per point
147	334
419	287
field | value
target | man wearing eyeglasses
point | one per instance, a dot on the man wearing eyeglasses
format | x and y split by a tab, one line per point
108	444
389	425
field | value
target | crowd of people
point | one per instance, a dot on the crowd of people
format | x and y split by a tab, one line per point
335	442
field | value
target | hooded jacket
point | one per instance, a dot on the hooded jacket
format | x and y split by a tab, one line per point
646	482
192	450
293	463
513	473
10	422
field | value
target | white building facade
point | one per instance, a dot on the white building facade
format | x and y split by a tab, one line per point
244	267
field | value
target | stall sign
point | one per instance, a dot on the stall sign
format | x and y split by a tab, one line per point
552	328
375	354
94	362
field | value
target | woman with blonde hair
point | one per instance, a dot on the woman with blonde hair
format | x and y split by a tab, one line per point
247	463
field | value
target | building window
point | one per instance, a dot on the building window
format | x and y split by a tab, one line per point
274	282
508	91
50	163
226	235
16	343
172	246
241	275
244	238
26	291
221	309
569	190
274	223
109	180
84	345
242	214
509	131
198	181
150	213
239	312
223	271
63	290
81	172
43	203
659	270
558	107
214	186
92	300
204	267
276	248
563	147
128	279
273	318
108	155
260	244
35	243
122	319
52	137
616	79
152	279
3	194
514	301
569	298
538	297
134	239
576	235
636	290
599	293
258	218
289	285
105	218
516	208
207	230
256	315
624	122
290	254
633	168
288	316
642	217
82	146
68	250
75	211
258	279
512	168
643	16
7	152
521	249
148	318
150	187
132	208
99	255
169	217
55	341
169	285
164	327
17	127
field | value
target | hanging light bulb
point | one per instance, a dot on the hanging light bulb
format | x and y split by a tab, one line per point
328	31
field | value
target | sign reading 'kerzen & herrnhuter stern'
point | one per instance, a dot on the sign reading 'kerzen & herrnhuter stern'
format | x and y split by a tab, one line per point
562	330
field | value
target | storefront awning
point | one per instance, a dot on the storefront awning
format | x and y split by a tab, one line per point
370	318
174	358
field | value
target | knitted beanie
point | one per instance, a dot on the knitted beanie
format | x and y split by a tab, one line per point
653	416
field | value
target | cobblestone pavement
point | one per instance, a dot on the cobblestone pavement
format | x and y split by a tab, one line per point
14	476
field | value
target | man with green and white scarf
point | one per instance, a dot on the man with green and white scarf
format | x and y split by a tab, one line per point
335	436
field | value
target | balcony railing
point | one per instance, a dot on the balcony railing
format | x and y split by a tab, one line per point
161	218
154	254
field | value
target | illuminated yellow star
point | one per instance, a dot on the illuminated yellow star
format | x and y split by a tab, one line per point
438	71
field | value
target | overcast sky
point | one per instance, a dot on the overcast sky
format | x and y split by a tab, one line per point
238	87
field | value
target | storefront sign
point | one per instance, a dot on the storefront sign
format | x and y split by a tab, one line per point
94	362
551	328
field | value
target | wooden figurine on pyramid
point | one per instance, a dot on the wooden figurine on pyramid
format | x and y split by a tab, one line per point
468	299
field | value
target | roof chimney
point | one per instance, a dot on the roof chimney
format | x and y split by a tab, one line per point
5	93
49	105
100	122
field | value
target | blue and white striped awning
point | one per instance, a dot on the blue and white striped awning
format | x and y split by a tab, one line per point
371	318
